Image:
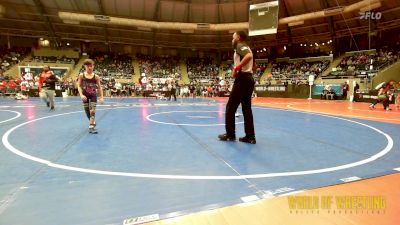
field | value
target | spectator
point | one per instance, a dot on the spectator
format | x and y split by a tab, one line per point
345	88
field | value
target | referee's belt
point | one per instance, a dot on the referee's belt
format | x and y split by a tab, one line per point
245	73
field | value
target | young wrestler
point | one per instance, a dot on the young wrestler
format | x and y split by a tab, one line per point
88	83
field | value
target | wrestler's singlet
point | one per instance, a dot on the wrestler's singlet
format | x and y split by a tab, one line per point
89	87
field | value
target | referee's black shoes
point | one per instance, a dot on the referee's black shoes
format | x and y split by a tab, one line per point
226	137
251	140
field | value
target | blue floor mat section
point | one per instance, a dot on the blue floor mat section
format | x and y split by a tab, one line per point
159	157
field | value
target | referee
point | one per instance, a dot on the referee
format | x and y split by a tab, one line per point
242	90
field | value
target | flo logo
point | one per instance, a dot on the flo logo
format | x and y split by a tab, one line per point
370	15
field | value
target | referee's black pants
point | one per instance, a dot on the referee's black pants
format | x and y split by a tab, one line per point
241	93
172	93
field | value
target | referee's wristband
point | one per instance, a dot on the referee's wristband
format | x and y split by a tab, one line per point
238	68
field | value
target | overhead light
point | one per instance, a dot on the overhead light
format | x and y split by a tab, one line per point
264	49
301	44
323	43
44	43
284	47
67	43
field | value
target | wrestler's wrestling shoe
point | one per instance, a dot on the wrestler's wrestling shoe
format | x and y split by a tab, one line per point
93	130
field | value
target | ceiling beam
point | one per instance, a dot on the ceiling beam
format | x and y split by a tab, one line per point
142	42
219	21
188	15
234	12
156	11
288	29
156	17
331	25
102	12
46	19
96	27
22	21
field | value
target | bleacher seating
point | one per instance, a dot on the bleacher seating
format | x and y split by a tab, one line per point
10	57
202	69
297	72
54	59
115	66
360	64
159	67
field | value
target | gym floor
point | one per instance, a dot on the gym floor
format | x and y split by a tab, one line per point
157	157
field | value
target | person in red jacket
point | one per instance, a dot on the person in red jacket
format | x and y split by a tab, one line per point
46	93
3	85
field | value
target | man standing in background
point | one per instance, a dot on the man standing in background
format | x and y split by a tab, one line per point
45	91
345	89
